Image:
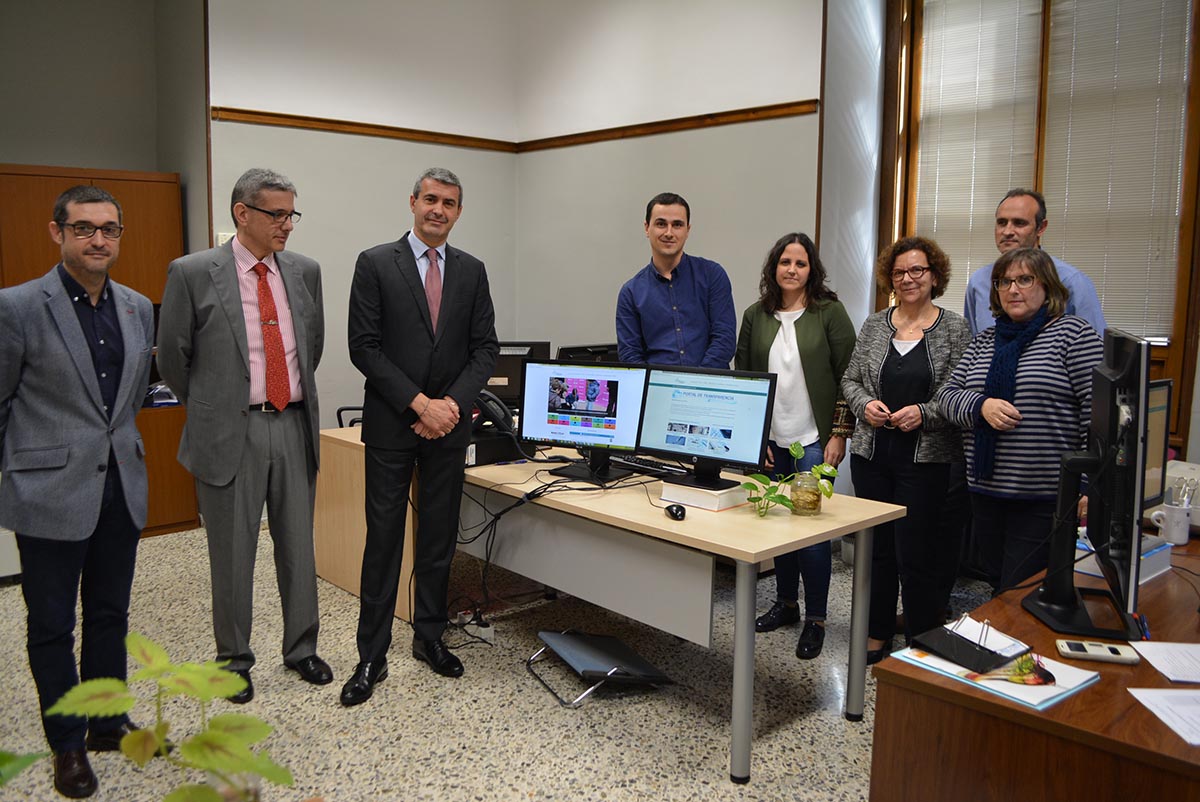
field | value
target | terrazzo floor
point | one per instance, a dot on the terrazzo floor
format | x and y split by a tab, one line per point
494	734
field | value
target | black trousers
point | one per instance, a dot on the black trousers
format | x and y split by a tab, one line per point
54	575
1013	536
388	477
916	557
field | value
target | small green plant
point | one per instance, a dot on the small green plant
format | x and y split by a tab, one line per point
221	747
765	494
11	764
825	473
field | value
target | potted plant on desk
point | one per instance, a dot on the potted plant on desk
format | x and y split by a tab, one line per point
800	492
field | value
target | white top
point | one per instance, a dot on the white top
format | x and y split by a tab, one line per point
793	420
904	346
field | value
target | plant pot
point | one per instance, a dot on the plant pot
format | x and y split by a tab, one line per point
806	495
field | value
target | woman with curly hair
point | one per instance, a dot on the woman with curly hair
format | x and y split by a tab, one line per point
903	446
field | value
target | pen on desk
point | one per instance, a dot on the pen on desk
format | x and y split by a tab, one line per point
1143	625
514	462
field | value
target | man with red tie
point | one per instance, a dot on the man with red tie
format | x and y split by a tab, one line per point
422	332
241	333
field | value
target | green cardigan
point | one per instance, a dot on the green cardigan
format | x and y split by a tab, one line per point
825	339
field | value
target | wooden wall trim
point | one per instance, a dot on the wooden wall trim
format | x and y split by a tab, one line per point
713	119
279	120
821	125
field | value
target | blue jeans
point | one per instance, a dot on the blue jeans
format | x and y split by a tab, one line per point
813	563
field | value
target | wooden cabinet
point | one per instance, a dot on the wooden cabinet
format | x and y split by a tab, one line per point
153	217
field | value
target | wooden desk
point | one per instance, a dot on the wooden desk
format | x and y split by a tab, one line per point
611	533
339	518
939	739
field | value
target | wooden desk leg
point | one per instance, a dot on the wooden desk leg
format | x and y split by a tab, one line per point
860	607
742	717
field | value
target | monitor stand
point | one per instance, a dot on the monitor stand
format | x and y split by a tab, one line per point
705	475
597	470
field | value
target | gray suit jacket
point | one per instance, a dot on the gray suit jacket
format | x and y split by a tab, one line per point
204	357
55	436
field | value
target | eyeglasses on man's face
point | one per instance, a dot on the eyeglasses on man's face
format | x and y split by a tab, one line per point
279	218
1024	282
915	272
87	230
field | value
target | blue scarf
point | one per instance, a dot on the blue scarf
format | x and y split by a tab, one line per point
1011	339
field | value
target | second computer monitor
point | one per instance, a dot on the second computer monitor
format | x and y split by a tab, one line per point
708	418
591	405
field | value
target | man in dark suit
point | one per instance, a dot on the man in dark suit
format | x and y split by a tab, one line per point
422	331
75	352
240	336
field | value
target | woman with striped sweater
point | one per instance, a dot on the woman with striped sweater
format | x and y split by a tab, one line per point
1023	394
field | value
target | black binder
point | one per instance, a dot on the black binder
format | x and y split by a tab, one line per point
962	651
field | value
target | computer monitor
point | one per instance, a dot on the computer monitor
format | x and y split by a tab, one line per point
505	381
709	418
592	405
1125	465
606	352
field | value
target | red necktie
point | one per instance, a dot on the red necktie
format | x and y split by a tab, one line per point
279	386
433	287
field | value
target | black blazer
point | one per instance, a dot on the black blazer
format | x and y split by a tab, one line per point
394	346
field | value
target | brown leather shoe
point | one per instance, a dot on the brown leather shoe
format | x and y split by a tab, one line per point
73	775
109	740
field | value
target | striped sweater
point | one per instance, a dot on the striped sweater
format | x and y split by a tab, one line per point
1053	395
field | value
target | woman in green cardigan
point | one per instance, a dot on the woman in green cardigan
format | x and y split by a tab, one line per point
799	331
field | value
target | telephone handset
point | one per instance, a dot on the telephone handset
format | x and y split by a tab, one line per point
492	410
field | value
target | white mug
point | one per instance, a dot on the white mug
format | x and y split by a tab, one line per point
1173	523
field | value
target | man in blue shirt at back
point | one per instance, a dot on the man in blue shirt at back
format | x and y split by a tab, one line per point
677	310
1020	223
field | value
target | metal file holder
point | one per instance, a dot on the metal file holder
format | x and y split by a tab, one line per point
597	659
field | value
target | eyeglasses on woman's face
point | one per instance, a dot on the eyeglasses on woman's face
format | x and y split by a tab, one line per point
1023	282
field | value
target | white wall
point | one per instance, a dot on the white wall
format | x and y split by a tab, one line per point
353	192
182	140
78	87
445	66
585	66
853	109
512	69
581	214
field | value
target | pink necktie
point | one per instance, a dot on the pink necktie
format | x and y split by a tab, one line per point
433	287
279	386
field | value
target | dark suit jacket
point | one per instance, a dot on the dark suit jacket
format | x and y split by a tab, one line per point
55	436
204	357
393	343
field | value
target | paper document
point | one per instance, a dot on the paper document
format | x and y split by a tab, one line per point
1067	679
1178	662
1179	710
993	641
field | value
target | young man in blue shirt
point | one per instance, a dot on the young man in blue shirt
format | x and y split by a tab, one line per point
677	310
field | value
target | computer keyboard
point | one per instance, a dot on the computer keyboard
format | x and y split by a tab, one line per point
650	467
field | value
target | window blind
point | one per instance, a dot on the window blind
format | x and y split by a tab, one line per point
1113	165
978	124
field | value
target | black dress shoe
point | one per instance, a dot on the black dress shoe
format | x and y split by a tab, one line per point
361	684
876	655
440	659
247	693
109	740
312	669
812	640
73	775
779	614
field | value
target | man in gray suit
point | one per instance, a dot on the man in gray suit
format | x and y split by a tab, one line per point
74	364
240	335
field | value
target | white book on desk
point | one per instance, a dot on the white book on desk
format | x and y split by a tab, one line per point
1067	679
715	500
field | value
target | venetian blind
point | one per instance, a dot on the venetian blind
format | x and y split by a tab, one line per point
978	124
1114	142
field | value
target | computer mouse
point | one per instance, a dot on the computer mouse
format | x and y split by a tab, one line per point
676	511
